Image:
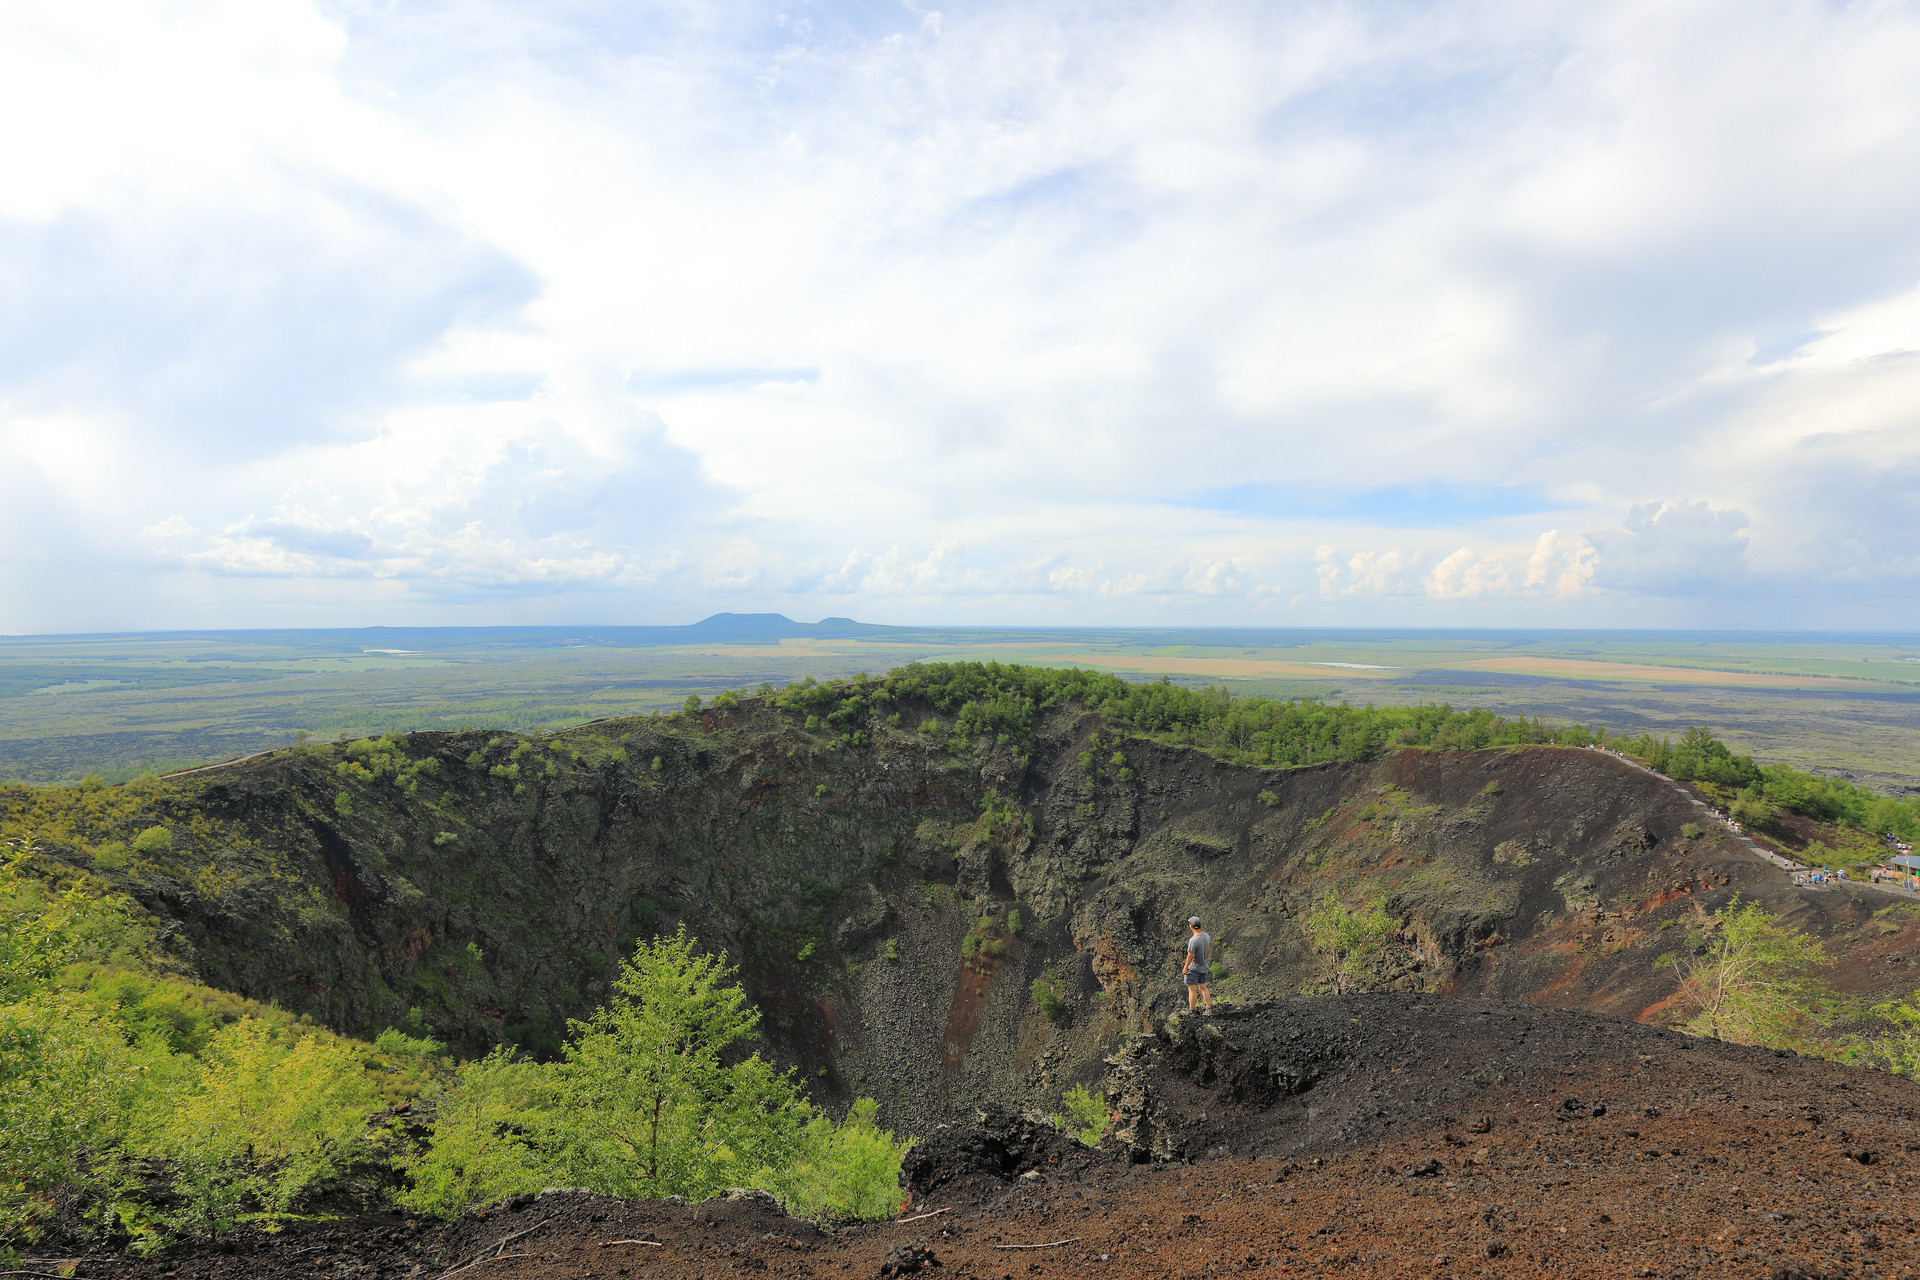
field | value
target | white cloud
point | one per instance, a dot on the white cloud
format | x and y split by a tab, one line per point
472	308
1469	575
1562	565
1368	573
1675	548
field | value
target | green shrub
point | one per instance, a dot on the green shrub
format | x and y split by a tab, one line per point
1086	1113
256	1122
401	1045
1013	920
110	856
1756	981
67	1080
1269	799
849	1170
487	1141
343	804
1691	831
1348	937
1050	997
1750	809
153	840
1895	1045
444	838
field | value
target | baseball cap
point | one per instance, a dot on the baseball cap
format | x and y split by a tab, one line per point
1194	921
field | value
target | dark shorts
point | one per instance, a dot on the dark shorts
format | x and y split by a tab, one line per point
1196	977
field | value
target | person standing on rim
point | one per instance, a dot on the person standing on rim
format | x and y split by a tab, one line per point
1196	972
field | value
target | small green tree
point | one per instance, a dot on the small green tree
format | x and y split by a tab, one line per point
652	1099
1049	996
650	1104
1348	937
1757	982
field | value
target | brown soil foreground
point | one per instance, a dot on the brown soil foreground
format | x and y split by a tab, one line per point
1594	1149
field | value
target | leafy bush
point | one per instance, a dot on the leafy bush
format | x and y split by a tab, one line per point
257	1121
67	1079
1758	982
1350	938
1003	821
1086	1113
153	840
1691	831
1896	1047
849	1170
401	1045
1750	809
1049	996
486	1138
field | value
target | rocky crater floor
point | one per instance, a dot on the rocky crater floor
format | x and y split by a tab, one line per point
1390	1135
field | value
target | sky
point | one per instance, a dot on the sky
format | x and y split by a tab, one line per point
1390	314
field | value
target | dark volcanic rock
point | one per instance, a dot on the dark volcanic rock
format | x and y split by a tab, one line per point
1304	1075
981	1159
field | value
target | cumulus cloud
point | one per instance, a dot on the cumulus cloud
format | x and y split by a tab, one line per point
1557	566
1675	548
1562	565
1368	573
469	310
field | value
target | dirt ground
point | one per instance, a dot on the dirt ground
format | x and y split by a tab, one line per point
1582	1147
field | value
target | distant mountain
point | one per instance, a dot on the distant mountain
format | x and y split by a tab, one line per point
738	628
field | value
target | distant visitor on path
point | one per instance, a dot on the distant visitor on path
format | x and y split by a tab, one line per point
1195	971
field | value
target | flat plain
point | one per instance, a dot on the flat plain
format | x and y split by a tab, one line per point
122	705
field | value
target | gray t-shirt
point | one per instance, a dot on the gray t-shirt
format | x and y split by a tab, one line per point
1200	947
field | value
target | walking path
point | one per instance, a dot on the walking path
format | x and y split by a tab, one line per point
1777	859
